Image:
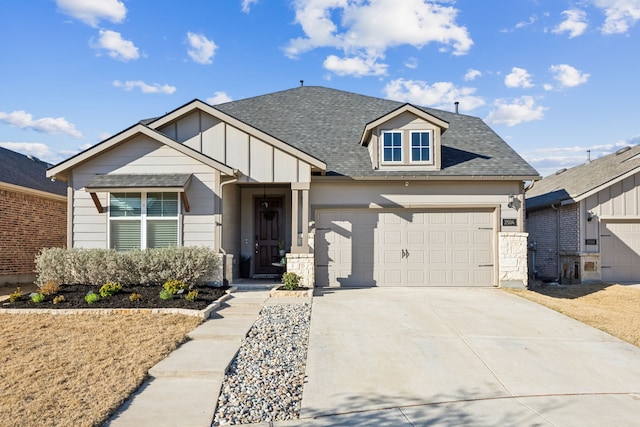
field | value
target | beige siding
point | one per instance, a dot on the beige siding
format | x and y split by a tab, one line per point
256	159
419	194
619	200
231	219
143	155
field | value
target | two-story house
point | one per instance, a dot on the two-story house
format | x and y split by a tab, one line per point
359	191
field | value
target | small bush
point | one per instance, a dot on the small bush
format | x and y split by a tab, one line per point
50	288
110	289
291	281
192	295
91	297
135	297
15	295
37	297
165	295
175	287
95	267
58	299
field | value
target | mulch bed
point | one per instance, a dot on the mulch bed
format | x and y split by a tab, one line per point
74	298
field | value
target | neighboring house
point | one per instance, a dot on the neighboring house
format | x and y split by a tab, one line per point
33	214
584	222
360	191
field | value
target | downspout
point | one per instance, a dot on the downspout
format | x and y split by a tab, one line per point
557	242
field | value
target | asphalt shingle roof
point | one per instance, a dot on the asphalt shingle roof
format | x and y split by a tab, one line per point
138	181
328	124
29	172
579	180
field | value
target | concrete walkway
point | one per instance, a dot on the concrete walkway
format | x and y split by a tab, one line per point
183	388
481	357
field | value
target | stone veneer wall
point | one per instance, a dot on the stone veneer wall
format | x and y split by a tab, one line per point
303	266
512	255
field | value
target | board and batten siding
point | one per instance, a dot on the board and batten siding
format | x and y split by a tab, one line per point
144	156
257	160
619	200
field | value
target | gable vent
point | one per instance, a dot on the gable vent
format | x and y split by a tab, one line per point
622	150
558	172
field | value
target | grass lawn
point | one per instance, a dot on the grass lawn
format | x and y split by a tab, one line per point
75	370
614	309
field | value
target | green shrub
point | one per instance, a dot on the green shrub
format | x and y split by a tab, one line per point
290	281
165	295
175	287
110	289
192	295
37	297
15	295
91	297
95	267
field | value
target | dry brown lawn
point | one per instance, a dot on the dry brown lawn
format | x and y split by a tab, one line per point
75	370
614	309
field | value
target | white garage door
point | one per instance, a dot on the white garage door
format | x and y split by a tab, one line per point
369	247
620	251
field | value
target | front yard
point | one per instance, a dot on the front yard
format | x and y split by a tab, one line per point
75	370
614	309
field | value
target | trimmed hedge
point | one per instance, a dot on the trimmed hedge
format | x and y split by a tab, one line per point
193	265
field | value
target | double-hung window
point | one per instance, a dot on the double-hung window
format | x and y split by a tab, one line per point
143	220
420	146
392	147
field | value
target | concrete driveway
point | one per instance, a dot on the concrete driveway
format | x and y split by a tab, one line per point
482	357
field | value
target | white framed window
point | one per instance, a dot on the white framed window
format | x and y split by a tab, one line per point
143	220
421	147
392	147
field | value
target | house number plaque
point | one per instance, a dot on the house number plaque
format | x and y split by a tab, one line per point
509	222
590	241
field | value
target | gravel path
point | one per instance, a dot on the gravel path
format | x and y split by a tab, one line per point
264	382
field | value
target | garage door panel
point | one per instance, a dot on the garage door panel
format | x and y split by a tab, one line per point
405	248
620	251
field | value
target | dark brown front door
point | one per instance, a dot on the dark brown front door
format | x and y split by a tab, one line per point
269	233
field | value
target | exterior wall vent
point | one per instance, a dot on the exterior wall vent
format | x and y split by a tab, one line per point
558	172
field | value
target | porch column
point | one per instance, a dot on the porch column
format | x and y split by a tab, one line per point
299	218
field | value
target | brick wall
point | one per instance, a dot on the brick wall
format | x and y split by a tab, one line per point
542	226
28	223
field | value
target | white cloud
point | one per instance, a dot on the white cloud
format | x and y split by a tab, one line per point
532	19
36	149
49	125
575	23
440	95
518	77
116	46
472	74
246	5
568	76
219	98
129	85
520	110
202	49
356	27
91	12
548	160
411	63
620	14
356	66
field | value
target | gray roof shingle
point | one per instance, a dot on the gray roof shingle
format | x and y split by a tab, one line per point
328	124
139	181
573	183
29	172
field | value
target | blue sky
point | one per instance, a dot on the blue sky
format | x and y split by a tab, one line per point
554	78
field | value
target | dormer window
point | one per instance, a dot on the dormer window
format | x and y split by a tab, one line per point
421	146
392	147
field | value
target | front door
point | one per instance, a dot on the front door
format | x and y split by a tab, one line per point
269	226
